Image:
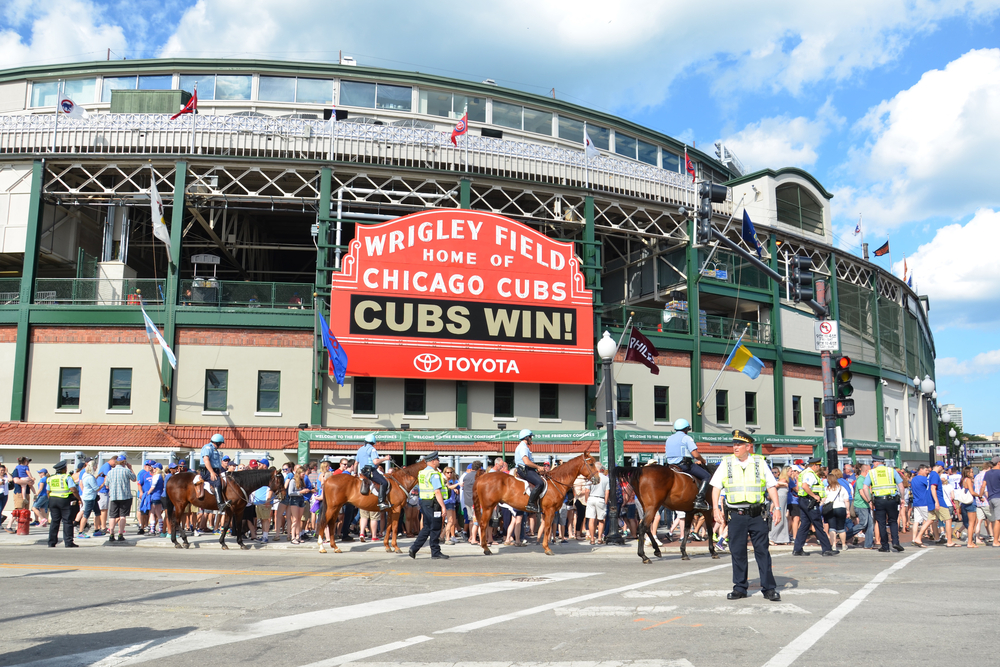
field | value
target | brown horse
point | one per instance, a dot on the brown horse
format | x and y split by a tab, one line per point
659	486
341	489
182	492
493	488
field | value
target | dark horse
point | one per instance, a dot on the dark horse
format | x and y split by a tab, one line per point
182	492
498	487
341	489
659	486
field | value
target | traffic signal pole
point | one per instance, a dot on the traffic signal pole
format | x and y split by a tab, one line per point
829	405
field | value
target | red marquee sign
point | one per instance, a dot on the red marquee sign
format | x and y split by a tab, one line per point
452	294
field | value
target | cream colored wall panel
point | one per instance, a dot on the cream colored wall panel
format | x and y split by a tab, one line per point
440	406
797	332
15	191
737	384
677	379
807	390
13	96
864	424
7	352
894	411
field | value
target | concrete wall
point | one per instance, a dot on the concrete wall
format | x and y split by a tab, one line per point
894	413
864	424
797	332
8	346
808	389
440	406
677	379
15	196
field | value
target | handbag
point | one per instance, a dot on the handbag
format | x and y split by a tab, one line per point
963	496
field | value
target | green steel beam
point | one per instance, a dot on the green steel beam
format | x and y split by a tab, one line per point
879	398
173	280
322	279
36	208
778	379
694	309
465	193
461	404
591	258
742	293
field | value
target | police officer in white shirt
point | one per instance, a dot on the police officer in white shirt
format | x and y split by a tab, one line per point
526	468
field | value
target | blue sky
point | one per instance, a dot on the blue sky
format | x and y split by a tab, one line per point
891	104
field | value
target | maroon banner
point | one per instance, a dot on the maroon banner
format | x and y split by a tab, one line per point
641	350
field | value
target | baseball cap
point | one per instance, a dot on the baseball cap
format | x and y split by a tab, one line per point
798	467
80	466
996	459
43	470
122	455
252	464
939	463
158	466
264	462
226	458
122	458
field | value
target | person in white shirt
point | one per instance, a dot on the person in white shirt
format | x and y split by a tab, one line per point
597	503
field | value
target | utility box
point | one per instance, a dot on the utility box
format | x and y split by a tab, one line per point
148	101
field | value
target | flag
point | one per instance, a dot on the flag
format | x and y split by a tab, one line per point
641	350
883	250
70	108
742	359
857	227
190	107
154	334
909	282
338	357
905	271
160	230
750	234
689	165
461	128
588	146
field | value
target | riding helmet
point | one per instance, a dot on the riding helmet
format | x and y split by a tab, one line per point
525	433
218	439
681	425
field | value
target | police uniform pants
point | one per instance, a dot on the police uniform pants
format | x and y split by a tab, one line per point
811	517
431	511
693	468
376	477
60	512
887	511
742	526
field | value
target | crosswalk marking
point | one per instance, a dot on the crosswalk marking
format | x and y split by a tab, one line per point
680	662
367	653
613	611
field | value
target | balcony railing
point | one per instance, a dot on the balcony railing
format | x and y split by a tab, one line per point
10	291
208	292
715	326
646	319
98	291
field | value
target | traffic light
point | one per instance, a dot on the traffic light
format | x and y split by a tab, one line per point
801	278
708	194
843	389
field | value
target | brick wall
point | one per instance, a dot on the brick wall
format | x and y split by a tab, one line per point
244	337
675	359
8	334
803	372
95	335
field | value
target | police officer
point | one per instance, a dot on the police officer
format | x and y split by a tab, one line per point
433	492
368	460
811	494
61	489
682	451
886	488
211	462
746	478
526	469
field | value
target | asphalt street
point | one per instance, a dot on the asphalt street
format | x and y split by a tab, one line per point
585	606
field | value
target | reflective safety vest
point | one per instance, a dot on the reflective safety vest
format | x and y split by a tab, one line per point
59	486
883	481
744	485
812	480
424	482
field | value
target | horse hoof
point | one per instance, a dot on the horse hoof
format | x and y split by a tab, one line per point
685	557
398	550
548	552
177	546
715	556
337	550
187	545
225	548
487	552
322	550
658	554
646	561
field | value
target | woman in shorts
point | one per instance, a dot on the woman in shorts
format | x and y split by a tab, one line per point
294	490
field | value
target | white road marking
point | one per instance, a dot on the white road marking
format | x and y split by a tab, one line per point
803	642
784	592
476	625
653	594
681	662
733	610
613	611
748	609
367	653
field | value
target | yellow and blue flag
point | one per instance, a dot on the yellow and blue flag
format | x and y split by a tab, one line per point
742	359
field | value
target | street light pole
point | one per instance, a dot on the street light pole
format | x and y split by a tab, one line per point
606	348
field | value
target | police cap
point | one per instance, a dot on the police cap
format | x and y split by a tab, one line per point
61	466
814	459
742	437
431	457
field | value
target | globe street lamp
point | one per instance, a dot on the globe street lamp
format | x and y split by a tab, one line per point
606	349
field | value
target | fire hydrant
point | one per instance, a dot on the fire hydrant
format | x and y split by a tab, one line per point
23	518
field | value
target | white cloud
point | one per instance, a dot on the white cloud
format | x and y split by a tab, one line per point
59	32
782	141
932	150
983	363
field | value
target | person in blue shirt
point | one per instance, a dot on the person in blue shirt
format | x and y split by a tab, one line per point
211	462
682	451
940	509
527	469
142	485
41	504
23	483
368	460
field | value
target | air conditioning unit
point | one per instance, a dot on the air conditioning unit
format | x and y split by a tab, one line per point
348	60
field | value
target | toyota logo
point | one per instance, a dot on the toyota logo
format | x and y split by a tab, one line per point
427	362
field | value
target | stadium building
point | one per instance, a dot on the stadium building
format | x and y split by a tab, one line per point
263	199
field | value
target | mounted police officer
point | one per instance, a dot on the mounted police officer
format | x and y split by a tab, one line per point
746	478
368	460
682	451
811	494
886	487
61	488
433	492
212	470
526	467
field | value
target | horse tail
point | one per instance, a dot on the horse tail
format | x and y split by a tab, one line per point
476	504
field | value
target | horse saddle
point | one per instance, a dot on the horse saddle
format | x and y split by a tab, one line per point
527	487
676	469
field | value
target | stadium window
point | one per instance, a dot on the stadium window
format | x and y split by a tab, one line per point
475	105
625	145
796	411
435	103
268	391
503	399
43	94
232	87
216	389
357	94
314	91
205	83
415	397
571	129
751	407
548	401
507	115
722	406
276	89
624	402
661	404
537	121
798	208
69	388
818	412
116	83
647	153
158	82
601	136
82	91
120	397
671	162
364	396
393	98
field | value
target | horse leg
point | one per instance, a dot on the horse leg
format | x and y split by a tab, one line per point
321	526
485	514
652	535
334	512
391	545
239	529
710	521
171	513
223	530
642	532
688	520
547	530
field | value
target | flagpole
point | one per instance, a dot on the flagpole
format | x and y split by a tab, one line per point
862	233
466	116
586	158
55	125
194	113
722	370
156	362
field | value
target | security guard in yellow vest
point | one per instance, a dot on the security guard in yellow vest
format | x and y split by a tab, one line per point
746	477
61	488
886	487
811	494
433	492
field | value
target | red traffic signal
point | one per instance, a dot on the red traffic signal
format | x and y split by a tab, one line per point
843	363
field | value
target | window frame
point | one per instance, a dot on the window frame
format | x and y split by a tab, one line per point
358	390
796	411
817	412
111	391
414	388
60	405
722	406
623	402
215	390
750	406
260	391
503	391
665	403
552	399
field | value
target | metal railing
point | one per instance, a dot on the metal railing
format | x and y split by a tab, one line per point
255	137
238	294
715	326
10	291
98	291
647	320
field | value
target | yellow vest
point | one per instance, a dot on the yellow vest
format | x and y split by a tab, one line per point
59	486
744	485
424	482
811	479
883	481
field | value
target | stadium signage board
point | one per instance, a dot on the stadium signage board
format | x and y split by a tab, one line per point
451	294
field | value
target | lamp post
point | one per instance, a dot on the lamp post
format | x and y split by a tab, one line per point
926	387
606	349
